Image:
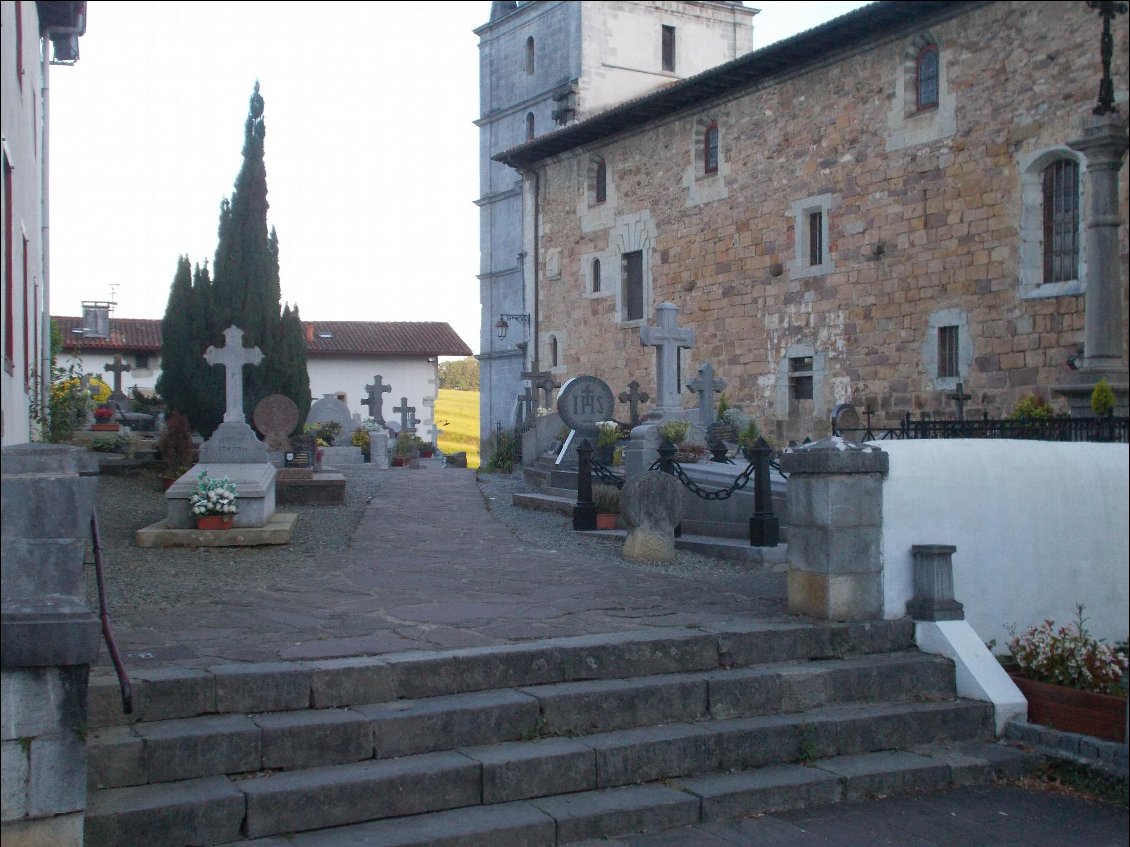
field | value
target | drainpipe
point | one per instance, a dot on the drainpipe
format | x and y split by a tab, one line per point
45	228
534	305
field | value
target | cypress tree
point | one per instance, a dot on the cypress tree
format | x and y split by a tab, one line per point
175	384
208	381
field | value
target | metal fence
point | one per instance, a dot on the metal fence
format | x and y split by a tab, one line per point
1113	430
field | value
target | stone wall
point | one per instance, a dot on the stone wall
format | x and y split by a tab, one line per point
923	215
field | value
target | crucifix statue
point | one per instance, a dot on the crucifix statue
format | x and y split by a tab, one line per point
118	367
705	384
667	338
633	397
233	356
374	400
960	397
407	415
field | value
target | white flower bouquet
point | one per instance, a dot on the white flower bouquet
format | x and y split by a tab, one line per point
213	497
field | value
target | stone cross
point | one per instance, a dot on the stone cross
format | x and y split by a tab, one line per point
705	384
960	396
667	338
404	410
233	356
541	381
118	367
633	397
527	398
374	401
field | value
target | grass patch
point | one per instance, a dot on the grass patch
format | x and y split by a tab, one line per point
457	416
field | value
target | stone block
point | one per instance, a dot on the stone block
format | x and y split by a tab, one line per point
522	769
424	673
618	811
735	795
630	654
743	693
321	489
604	704
265	687
804	687
755	742
24	692
834	455
197	811
862	729
843	597
204	746
57	775
765	642
507	666
457	720
167	693
837	550
981	762
836	501
509	824
350	681
56	831
310	738
255	483
884	773
104	702
653	753
315	798
115	758
16	758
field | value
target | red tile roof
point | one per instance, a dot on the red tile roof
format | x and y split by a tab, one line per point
323	338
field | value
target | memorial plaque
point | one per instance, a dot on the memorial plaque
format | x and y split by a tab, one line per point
583	402
301	453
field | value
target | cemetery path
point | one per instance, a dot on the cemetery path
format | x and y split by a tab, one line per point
430	565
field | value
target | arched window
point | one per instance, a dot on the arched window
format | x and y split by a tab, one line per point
553	352
926	76
1061	221
710	149
595	276
530	55
530	126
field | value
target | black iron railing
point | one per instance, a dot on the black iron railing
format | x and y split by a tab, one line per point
1113	430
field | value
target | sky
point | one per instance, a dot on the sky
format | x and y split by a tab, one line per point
371	150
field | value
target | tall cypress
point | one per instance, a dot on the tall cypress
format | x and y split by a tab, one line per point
175	384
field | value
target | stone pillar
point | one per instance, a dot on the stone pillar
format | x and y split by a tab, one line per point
1104	144
835	495
48	639
378	449
933	584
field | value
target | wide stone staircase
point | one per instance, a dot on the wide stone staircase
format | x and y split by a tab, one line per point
540	743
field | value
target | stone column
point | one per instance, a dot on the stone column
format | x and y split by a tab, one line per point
1104	144
835	493
48	639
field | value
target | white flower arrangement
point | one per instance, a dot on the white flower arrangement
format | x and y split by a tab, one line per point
213	497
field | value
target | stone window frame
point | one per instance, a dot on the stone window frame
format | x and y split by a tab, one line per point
530	126
1031	266
553	351
908	122
802	211
932	344
705	186
141	361
625	281
667	52
530	55
596	190
785	377
609	276
702	128
632	233
927	52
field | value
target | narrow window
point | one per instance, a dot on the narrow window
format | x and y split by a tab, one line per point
815	238
529	126
926	72
142	361
800	377
553	362
19	44
596	276
947	351
600	190
26	309
9	273
668	48
710	149
530	55
633	286
1061	221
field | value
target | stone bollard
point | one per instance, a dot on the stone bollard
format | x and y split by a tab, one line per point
48	639
933	584
378	449
652	506
835	493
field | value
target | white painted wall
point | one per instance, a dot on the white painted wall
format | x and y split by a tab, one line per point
94	364
1039	527
416	379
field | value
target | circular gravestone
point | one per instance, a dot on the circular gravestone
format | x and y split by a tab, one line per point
844	416
275	416
583	402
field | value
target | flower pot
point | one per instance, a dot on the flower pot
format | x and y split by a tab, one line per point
214	522
602	454
606	521
105	427
1071	710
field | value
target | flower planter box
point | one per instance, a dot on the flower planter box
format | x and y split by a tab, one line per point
214	522
1071	710
607	521
105	427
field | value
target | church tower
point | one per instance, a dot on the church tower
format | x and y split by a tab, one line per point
543	65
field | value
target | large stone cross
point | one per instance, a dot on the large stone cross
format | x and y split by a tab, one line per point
404	410
960	397
118	367
541	381
667	338
633	397
705	384
374	401
233	356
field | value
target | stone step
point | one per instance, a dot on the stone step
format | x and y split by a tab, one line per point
172	692
316	798
209	745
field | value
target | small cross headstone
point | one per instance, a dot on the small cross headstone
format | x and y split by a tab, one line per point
233	356
374	400
276	416
541	381
705	384
960	397
667	338
528	399
634	397
118	367
407	415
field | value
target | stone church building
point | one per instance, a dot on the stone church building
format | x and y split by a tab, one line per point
871	212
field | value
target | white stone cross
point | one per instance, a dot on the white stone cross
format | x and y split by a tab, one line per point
233	356
705	384
666	337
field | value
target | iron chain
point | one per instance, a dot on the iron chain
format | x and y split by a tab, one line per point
718	494
606	476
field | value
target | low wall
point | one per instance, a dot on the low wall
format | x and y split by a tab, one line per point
1039	527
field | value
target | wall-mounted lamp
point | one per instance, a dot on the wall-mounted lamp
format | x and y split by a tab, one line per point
502	326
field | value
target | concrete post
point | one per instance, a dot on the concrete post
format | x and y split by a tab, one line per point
835	494
933	584
48	639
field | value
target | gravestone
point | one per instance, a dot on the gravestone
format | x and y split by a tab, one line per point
301	452
118	367
583	402
705	384
378	449
652	506
407	416
634	397
845	418
331	409
276	416
234	441
667	338
374	400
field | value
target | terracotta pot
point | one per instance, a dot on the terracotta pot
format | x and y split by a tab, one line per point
606	521
105	427
1071	710
214	522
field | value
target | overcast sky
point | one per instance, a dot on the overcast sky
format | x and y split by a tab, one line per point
371	153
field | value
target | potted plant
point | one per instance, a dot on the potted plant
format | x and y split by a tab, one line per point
362	439
176	448
104	420
404	450
1072	681
213	502
606	500
607	436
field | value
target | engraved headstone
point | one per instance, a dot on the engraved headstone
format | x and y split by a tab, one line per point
652	506
584	401
667	338
331	409
301	452
275	417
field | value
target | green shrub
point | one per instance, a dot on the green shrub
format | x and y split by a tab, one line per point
1031	408
606	499
361	439
608	433
748	436
676	431
116	443
504	453
175	446
1102	398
